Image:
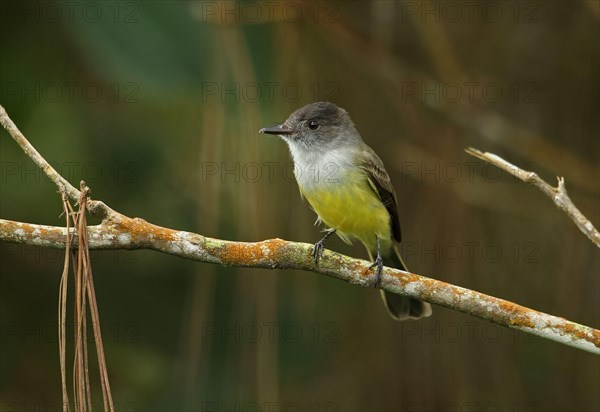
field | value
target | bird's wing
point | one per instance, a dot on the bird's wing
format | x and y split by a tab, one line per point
382	185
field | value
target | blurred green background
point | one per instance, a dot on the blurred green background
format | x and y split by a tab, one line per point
157	106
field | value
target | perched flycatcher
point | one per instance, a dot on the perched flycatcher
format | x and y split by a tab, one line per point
347	186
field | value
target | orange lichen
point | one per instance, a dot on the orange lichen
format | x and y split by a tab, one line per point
140	230
274	245
580	334
241	253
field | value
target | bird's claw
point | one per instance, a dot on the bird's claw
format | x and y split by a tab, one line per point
379	272
318	250
319	247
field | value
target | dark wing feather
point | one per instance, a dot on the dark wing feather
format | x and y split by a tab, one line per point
381	183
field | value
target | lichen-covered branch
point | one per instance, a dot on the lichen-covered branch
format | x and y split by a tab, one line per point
118	231
127	233
558	194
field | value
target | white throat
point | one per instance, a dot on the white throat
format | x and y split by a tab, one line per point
314	168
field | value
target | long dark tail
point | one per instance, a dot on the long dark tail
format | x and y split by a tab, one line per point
402	307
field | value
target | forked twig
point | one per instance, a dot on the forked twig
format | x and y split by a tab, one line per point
558	194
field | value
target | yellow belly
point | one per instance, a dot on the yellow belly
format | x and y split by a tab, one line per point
353	209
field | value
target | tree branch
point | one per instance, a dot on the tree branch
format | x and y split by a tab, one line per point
558	194
118	231
127	233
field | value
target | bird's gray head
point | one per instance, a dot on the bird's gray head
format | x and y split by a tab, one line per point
317	126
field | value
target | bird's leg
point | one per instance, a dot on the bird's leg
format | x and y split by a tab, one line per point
379	263
319	247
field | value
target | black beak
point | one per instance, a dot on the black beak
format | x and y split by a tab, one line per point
276	129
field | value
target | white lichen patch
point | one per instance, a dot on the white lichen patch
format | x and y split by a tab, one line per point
266	250
174	248
19	232
101	242
101	239
185	236
412	288
558	336
186	244
189	248
124	239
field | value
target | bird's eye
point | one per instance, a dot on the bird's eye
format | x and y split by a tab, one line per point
313	125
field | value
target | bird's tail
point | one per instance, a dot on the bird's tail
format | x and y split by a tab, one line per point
402	307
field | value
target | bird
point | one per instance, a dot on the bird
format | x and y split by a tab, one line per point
346	184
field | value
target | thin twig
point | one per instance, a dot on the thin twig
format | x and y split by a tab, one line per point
95	207
88	285
79	371
13	130
558	194
85	297
62	308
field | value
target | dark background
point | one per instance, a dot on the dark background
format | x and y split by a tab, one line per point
157	105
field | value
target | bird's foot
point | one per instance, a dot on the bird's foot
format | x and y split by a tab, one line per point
318	250
379	271
319	247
